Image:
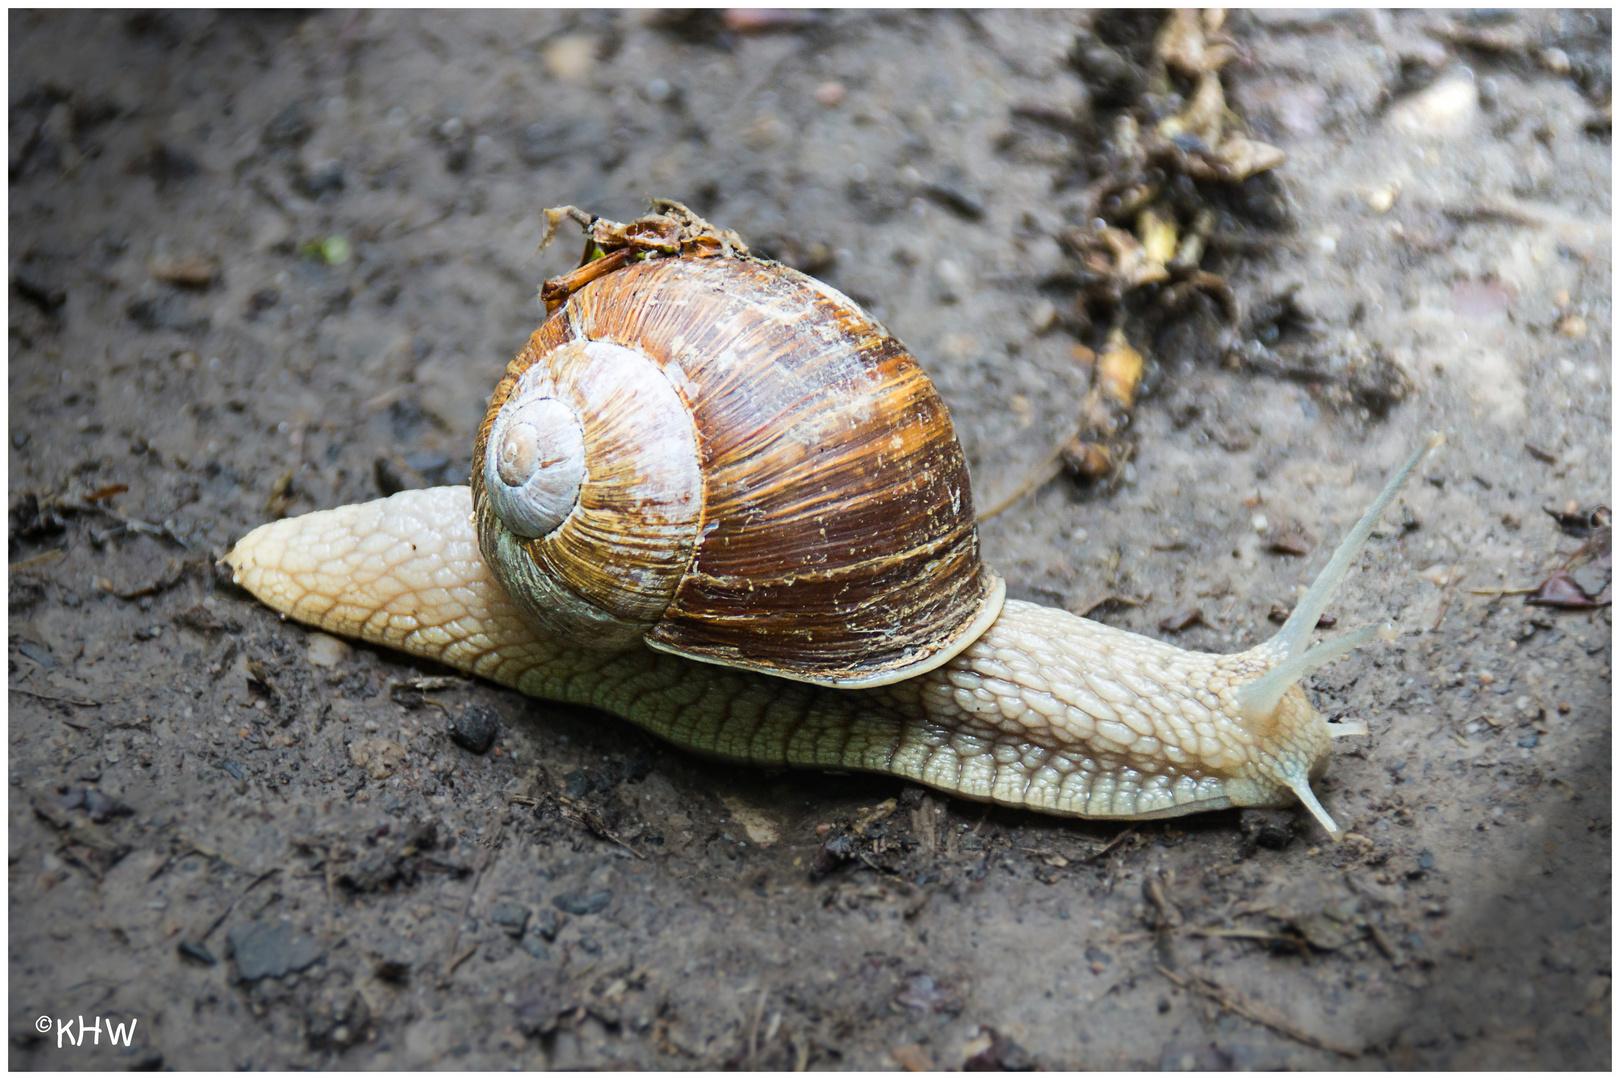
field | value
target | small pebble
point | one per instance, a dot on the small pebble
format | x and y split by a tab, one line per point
1448	107
571	58
657	90
831	94
1380	199
1529	742
323	650
271	948
474	730
953	277
1259	523
589	903
510	917
197	951
1042	316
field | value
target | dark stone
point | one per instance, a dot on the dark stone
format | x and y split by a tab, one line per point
537	1008
323	178
953	196
271	948
45	295
1002	1055
388	856
288	127
197	951
393	961
234	769
834	851
1267	828
584	903
104	807
536	947
1530	741
511	917
474	730
39	654
547	923
264	300
208	620
577	784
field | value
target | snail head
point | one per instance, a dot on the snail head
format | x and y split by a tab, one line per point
1276	704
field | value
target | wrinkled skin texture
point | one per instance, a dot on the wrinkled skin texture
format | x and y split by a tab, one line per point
1046	710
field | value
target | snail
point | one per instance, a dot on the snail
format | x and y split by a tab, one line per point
714	497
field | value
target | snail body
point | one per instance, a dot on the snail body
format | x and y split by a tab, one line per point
712	497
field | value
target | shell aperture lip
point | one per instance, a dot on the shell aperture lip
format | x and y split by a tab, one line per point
534	465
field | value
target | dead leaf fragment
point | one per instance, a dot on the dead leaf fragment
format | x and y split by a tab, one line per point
195	271
1119	370
1561	591
912	1058
1246	157
1288	540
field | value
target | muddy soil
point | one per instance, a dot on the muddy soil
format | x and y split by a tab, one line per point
263	264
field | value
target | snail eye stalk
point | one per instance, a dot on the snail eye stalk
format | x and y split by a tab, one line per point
1257	699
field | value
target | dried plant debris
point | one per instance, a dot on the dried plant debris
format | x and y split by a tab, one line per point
1576	522
1157	217
1585	579
1284	340
669	229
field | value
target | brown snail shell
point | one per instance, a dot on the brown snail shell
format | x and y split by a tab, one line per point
731	461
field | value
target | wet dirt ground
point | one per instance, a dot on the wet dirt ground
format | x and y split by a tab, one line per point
254	256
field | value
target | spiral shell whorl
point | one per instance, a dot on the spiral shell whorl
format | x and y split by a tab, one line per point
534	465
595	540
